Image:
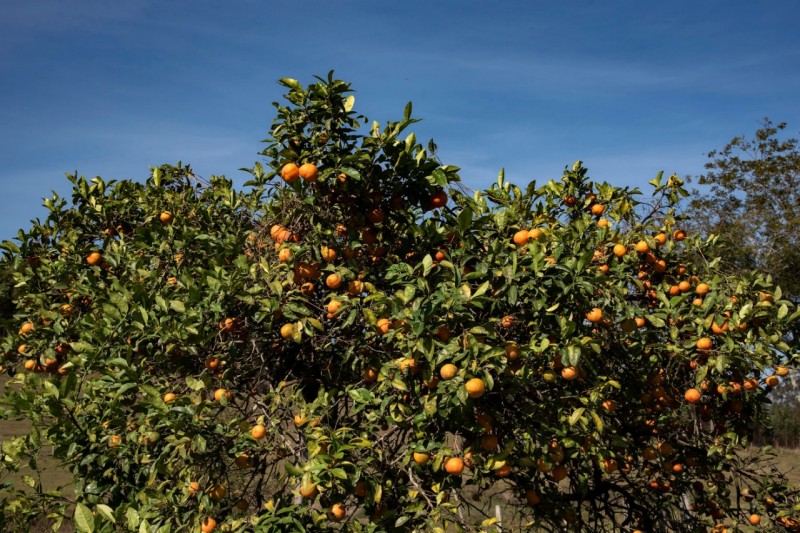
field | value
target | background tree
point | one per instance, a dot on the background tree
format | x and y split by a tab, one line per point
753	208
6	298
354	343
753	205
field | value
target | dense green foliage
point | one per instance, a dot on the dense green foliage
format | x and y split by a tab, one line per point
197	354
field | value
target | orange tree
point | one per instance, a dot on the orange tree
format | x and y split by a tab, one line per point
355	343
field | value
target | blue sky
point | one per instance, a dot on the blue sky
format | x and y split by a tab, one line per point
629	87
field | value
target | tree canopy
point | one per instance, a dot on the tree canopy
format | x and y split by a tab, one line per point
356	342
752	205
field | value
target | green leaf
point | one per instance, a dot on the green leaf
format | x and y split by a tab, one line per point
194	383
597	421
427	264
51	389
106	512
349	102
177	306
576	415
783	310
291	83
83	519
464	219
481	290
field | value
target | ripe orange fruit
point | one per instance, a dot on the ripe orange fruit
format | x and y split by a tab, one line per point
194	486
532	497
678	234
383	325
475	387
328	254
603	223
507	321
308	172
702	289
693	395
598	209
220	393
355	287
640	322
521	237
535	233
170	397
703	343
439	199
308	491
609	405
30	364
337	512
212	363
166	217
719	330
755	519
290	172
287	331
772	381
376	215
649	453
26	328
620	250
227	325
94	258
362	489
443	333
333	281
300	420
684	286
258	432
448	371
422	458
782	371
665	449
243	461
218	492
595	315
334	306
642	247
485	421
559	472
114	441
454	466
661	239
766	297
370	375
208	525
569	373
284	255
307	288
610	465
503	471
489	443
512	351
410	365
